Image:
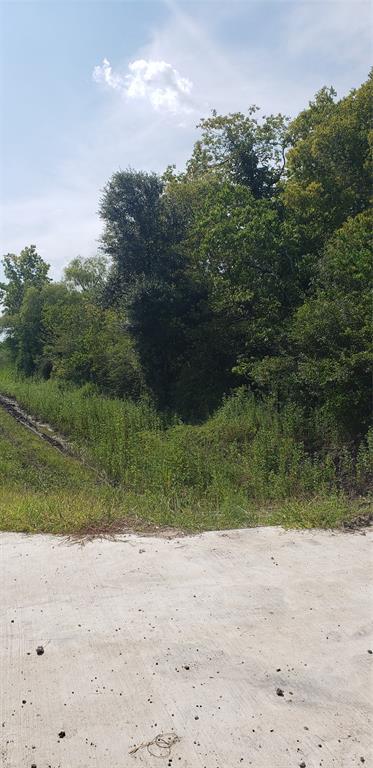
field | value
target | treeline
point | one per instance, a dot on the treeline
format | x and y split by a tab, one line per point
252	267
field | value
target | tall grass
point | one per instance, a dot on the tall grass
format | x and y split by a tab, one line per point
245	453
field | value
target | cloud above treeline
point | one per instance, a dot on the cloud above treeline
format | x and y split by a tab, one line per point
156	82
189	63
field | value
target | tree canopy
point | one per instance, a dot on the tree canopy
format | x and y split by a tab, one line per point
250	268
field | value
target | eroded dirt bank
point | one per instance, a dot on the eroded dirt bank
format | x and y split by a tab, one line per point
45	431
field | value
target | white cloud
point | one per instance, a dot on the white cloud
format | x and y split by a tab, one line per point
311	42
157	82
104	74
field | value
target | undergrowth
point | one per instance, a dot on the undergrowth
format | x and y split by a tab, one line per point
246	465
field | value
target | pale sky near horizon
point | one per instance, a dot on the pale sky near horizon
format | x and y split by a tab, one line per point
88	87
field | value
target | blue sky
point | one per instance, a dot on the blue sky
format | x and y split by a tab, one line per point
90	87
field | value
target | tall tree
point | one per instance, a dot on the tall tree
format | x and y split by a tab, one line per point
28	331
139	233
87	275
332	330
148	278
240	247
242	149
329	170
23	272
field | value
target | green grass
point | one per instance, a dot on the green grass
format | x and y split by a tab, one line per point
43	490
245	466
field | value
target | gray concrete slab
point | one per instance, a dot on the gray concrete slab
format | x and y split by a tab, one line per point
191	636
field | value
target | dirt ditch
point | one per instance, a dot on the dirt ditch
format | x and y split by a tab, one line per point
43	430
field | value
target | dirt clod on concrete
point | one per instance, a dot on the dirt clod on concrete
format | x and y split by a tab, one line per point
362	521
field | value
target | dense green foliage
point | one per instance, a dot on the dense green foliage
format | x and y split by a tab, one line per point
244	466
251	269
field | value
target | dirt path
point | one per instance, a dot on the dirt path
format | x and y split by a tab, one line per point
252	647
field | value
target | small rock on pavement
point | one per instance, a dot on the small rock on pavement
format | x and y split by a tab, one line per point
40	650
279	692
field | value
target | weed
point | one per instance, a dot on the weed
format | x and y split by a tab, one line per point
245	466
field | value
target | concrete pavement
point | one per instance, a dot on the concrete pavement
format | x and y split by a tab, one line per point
250	647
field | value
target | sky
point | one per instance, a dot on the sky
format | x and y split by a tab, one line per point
88	88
